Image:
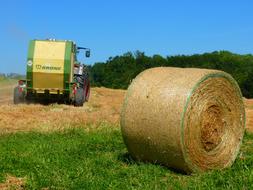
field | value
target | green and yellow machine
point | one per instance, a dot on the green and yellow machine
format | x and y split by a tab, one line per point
54	74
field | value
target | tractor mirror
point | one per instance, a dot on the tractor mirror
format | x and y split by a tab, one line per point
87	53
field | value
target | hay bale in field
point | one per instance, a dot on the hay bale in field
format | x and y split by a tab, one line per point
188	119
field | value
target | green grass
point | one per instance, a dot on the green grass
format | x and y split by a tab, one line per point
98	159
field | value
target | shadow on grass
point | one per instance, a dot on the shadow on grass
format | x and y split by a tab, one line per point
129	160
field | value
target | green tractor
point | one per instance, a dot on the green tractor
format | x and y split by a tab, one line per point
54	74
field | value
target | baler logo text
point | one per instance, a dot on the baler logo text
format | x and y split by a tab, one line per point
43	67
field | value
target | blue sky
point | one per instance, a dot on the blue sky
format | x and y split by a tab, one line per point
113	27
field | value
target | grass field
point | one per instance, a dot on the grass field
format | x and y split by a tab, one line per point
96	158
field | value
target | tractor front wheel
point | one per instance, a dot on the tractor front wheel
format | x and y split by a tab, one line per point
18	96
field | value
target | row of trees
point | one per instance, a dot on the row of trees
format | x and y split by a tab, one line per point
11	76
118	71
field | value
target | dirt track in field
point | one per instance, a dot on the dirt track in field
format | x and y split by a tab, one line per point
6	92
104	106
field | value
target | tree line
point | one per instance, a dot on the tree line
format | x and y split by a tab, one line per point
117	72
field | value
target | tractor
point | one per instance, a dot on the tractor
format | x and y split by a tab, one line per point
53	74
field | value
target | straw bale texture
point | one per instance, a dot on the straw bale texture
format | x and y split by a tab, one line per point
188	119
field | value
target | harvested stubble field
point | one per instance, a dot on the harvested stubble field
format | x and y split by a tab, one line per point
63	147
104	107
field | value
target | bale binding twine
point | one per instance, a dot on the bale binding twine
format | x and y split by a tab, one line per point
189	119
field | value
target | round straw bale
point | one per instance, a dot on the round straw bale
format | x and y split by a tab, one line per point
188	119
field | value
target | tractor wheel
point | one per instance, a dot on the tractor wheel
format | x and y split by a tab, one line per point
18	96
79	97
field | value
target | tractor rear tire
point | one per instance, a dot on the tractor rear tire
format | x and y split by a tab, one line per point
79	97
18	96
87	92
